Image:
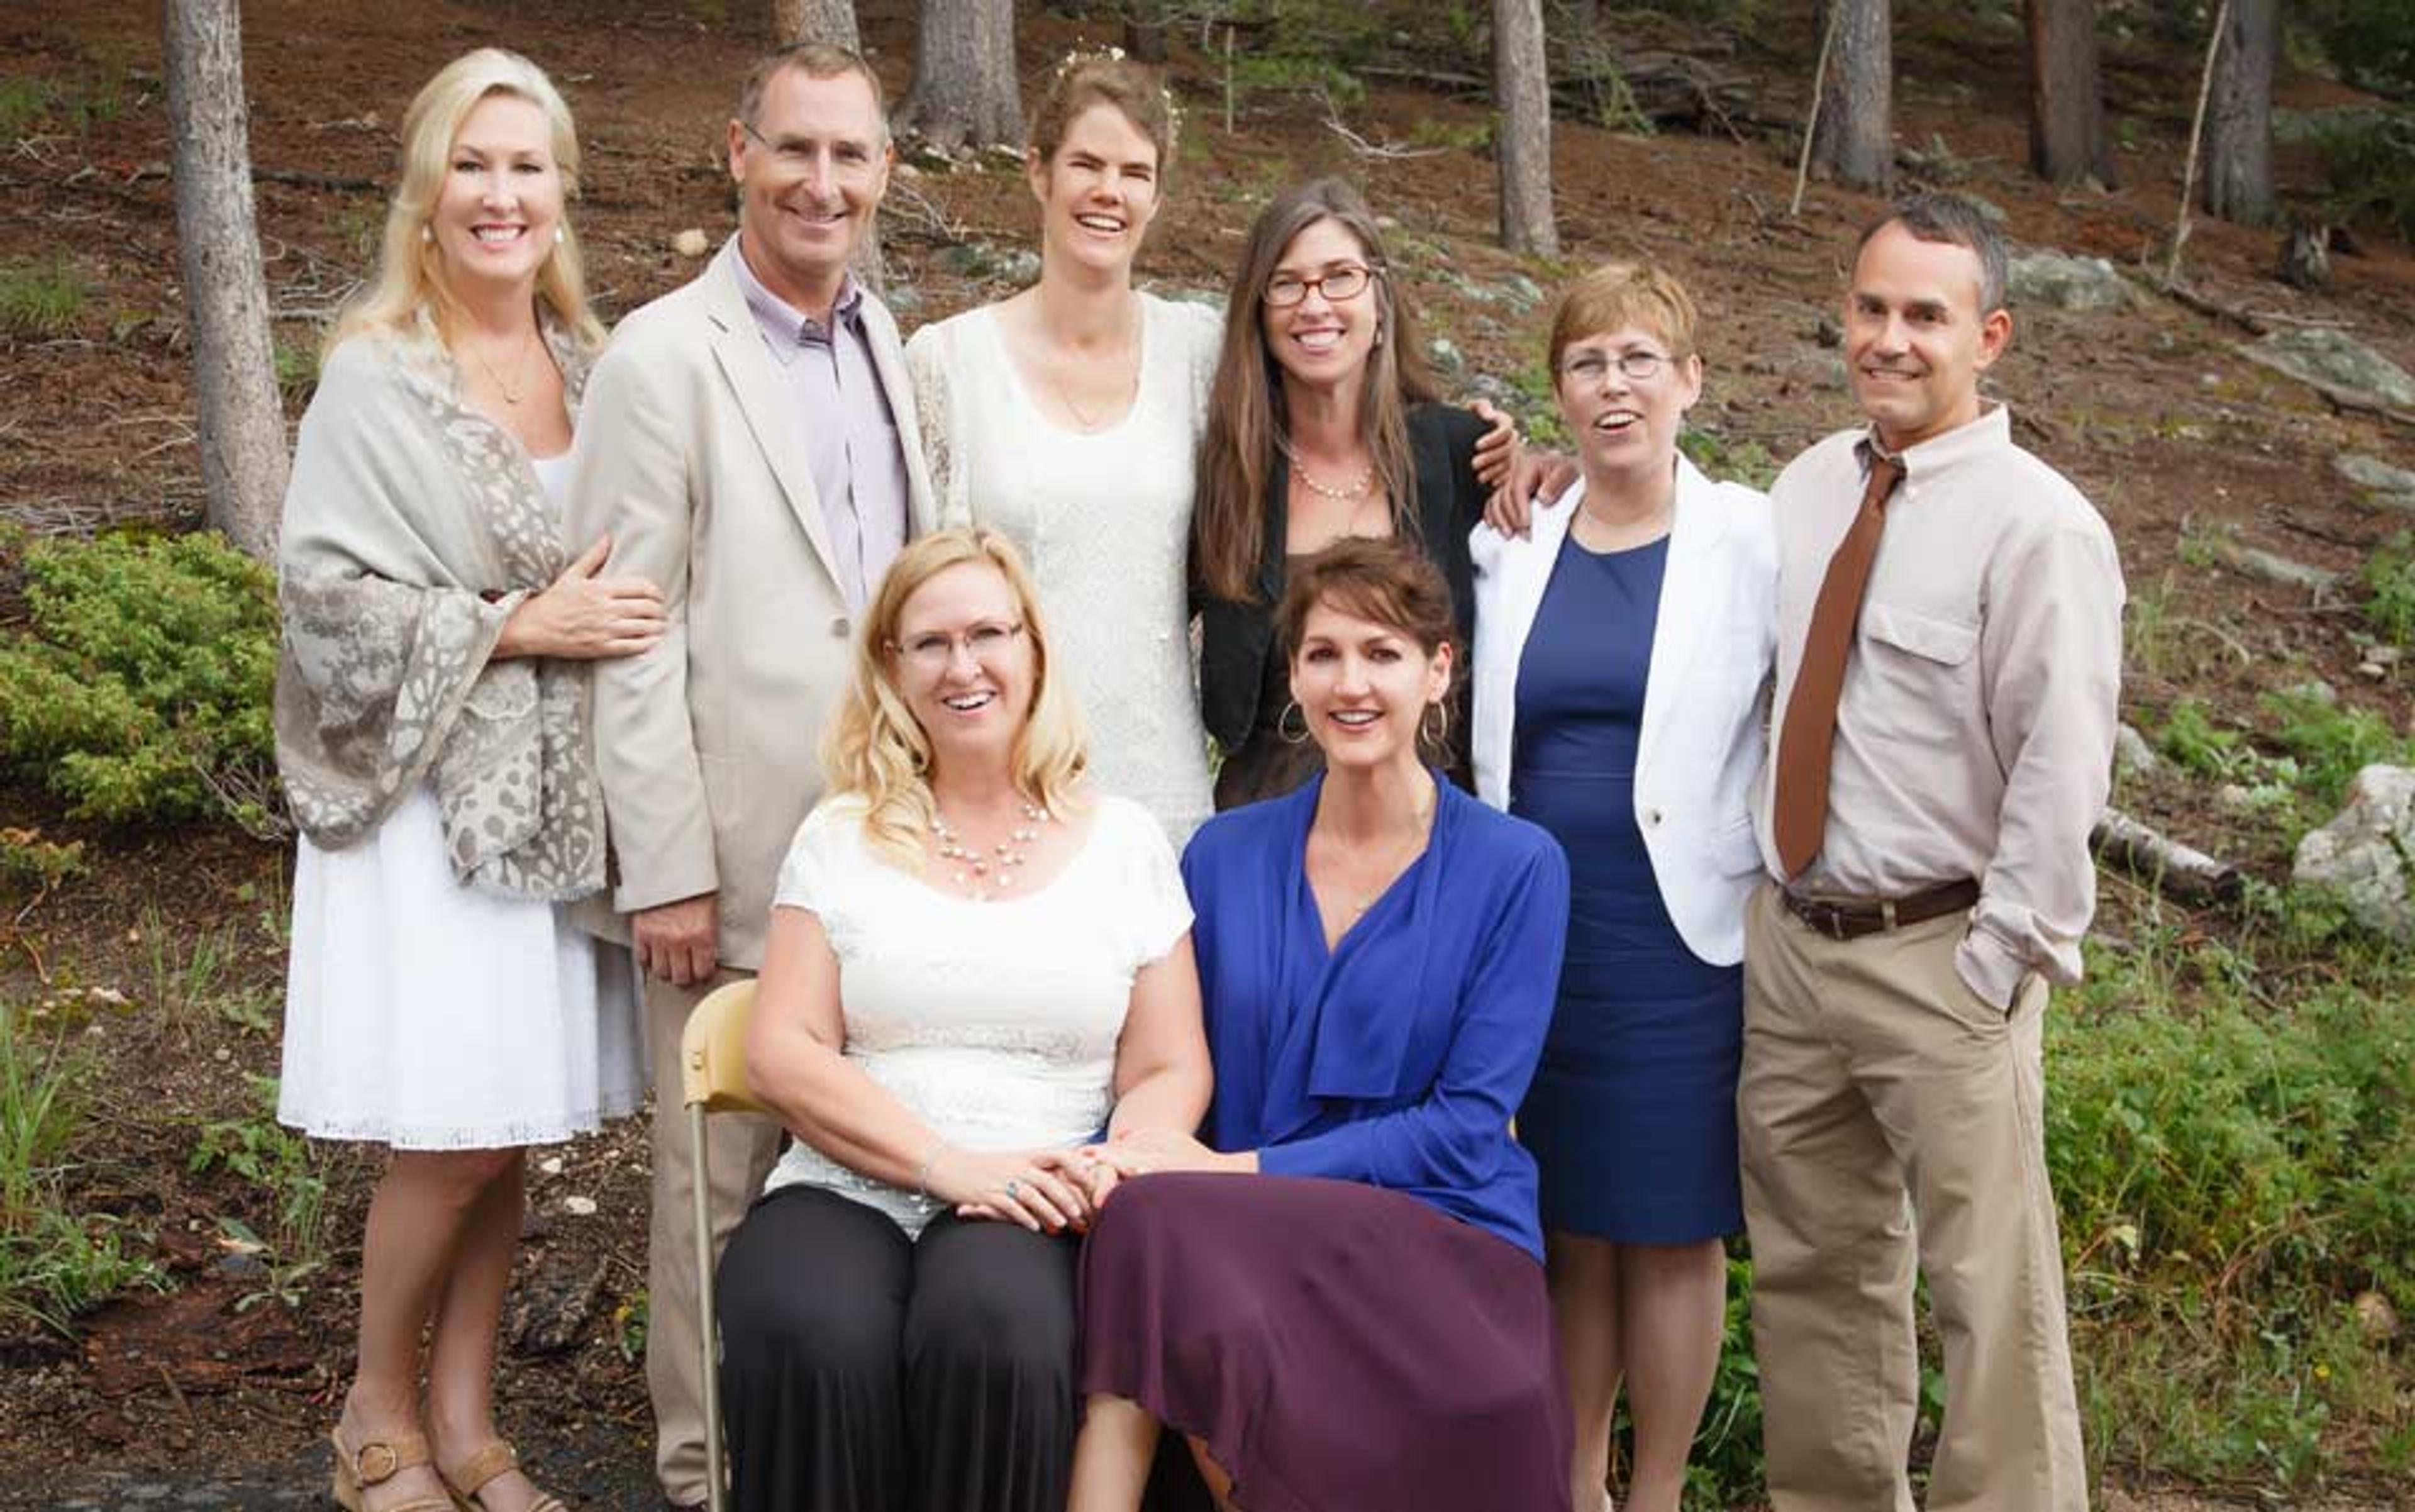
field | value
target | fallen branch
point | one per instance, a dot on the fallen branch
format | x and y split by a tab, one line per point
2178	871
1390	152
302	179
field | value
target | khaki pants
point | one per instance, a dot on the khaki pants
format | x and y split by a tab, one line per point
1886	1109
740	1153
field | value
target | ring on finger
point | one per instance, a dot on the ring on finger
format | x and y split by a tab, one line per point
1012	1186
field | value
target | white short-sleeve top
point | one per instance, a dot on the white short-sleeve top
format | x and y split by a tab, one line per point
995	1022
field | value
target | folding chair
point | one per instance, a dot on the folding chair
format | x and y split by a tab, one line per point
712	1079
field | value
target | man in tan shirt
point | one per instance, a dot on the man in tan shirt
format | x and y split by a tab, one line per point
1933	876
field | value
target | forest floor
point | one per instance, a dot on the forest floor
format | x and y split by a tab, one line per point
165	956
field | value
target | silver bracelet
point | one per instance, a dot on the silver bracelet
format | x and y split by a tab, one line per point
922	1173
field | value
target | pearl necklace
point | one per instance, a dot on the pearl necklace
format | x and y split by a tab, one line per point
1357	489
973	868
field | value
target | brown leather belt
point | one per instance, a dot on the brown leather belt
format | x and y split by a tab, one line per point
1846	919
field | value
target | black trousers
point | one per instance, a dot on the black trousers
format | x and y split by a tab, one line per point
864	1372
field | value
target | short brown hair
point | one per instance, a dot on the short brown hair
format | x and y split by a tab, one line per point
1135	89
1383	579
814	60
1619	294
1954	221
1387	581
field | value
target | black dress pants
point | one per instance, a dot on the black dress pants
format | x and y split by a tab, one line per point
864	1372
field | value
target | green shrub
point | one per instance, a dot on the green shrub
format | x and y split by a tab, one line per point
24	103
1747	462
2332	742
2191	739
39	299
139	687
2389	578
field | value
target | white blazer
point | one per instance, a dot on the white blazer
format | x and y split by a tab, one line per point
1714	646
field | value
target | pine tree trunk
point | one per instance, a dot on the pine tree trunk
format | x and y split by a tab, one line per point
1522	87
1855	139
815	21
1145	30
2067	141
964	93
2238	119
242	422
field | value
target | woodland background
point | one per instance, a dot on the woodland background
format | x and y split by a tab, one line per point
186	195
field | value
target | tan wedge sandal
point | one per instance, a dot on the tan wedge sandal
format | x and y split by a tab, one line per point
374	1463
469	1476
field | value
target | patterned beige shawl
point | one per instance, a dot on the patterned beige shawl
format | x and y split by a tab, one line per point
413	525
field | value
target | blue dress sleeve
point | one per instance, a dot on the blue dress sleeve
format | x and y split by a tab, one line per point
1452	1137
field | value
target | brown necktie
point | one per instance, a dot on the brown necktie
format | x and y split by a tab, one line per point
1809	731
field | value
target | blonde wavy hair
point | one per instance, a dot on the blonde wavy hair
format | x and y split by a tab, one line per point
411	274
875	750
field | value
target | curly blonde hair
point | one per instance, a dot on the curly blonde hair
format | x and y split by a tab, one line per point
875	751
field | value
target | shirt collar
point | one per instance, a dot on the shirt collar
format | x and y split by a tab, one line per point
786	327
1974	441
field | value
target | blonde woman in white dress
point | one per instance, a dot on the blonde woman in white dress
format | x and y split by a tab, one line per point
431	730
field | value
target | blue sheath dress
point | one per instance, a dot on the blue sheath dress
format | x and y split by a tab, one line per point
1631	1115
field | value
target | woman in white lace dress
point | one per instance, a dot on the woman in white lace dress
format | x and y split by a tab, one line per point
1066	418
431	730
975	967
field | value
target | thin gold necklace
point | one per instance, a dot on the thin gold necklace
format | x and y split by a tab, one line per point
1082	417
519	364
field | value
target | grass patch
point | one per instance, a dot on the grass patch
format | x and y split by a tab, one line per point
24	104
54	1264
39	300
283	1174
2389	578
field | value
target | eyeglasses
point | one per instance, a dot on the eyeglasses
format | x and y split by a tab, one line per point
935	650
1348	282
797	156
1640	366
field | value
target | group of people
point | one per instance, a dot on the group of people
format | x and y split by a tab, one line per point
1604	860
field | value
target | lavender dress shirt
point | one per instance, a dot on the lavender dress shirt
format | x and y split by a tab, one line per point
829	383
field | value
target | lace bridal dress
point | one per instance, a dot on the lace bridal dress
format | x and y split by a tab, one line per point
1103	518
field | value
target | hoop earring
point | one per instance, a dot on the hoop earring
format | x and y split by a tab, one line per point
1283	723
1438	714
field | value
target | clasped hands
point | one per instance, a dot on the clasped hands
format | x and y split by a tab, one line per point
1049	1192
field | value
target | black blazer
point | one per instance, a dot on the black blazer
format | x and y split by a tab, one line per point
1236	638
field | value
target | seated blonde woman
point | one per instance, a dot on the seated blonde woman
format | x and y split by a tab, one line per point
974	966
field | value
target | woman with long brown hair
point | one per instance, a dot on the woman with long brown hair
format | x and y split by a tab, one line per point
1324	423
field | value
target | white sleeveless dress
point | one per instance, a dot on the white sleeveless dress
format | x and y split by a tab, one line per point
1103	519
423	1015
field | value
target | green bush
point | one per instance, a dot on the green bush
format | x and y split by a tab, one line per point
2332	742
2232	1173
2389	578
2191	739
140	685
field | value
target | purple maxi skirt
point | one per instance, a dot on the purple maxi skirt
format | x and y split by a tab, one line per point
1338	1347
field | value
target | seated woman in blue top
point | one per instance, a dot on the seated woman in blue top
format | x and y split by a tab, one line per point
1361	1320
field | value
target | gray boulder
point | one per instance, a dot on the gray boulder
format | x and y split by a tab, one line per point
2331	359
2062	282
2393	487
2357	856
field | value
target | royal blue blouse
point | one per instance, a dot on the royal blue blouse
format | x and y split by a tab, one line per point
1397	1058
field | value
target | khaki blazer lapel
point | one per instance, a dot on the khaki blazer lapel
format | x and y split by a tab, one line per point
737	350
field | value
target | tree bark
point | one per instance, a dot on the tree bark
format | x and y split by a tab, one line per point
2238	119
2067	141
815	21
1521	85
242	422
1855	142
964	93
1145	30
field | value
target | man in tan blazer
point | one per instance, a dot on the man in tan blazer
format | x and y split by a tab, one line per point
748	441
